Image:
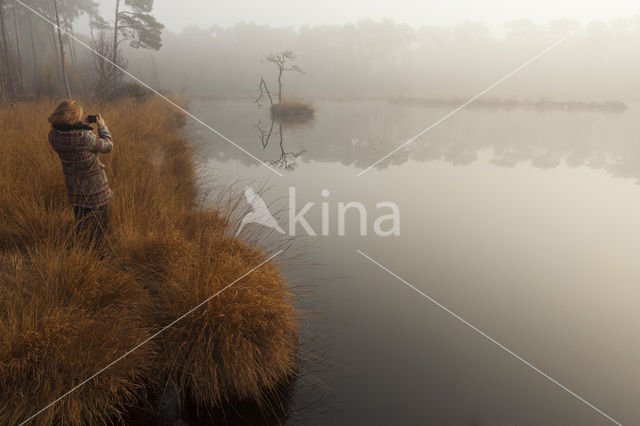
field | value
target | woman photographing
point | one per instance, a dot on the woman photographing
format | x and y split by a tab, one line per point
84	176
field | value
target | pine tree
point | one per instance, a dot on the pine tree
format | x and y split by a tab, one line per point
137	25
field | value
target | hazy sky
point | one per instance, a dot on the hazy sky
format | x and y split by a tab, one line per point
177	15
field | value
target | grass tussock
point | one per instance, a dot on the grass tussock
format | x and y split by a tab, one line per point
67	311
292	112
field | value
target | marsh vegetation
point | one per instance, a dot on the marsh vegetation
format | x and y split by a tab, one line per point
66	311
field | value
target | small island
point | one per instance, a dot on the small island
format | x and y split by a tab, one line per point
289	111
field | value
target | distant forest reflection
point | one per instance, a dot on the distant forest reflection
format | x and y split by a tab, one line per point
356	134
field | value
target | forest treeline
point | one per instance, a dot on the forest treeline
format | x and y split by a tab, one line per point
385	59
42	52
367	59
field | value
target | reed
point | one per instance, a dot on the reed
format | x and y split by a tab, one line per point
67	311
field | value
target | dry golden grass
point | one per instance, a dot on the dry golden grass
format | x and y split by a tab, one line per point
66	311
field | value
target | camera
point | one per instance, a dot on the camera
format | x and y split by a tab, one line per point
92	119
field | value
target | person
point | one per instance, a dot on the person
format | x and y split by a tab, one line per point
85	178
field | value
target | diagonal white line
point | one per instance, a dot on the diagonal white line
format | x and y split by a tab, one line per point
540	54
150	88
150	337
500	345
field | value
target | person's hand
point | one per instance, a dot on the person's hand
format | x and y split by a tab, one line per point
100	120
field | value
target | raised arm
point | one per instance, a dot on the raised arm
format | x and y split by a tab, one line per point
101	143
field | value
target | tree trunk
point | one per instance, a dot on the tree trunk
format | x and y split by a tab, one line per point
3	95
115	33
34	58
113	77
64	70
52	35
71	42
280	86
78	84
91	29
19	59
7	67
155	72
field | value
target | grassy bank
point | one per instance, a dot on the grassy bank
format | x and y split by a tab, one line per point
66	312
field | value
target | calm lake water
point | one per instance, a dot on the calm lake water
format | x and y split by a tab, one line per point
525	223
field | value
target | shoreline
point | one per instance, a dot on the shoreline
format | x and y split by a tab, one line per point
65	313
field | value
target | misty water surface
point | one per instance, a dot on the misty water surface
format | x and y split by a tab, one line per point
525	223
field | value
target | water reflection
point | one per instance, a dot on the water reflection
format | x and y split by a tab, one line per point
287	159
357	134
275	410
169	407
510	250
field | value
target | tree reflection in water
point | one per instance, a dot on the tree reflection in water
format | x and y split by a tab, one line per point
287	159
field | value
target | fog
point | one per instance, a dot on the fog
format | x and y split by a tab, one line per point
519	211
449	50
291	13
378	59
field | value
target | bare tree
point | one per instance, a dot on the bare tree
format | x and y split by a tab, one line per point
106	77
262	91
282	60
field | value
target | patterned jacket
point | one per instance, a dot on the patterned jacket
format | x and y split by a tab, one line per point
84	176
